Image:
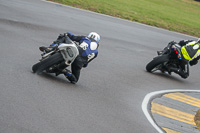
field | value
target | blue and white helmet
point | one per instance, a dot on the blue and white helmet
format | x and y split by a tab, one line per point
95	36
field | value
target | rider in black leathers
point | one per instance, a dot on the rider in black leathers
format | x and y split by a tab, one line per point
190	51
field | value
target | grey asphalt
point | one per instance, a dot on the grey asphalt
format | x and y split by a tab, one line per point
108	96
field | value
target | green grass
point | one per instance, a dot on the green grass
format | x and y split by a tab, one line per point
176	15
197	119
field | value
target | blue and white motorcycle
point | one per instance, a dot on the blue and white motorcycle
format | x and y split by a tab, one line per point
59	58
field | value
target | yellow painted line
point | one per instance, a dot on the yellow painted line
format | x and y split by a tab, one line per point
184	98
172	113
170	130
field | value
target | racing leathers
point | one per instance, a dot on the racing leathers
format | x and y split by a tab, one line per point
190	51
88	50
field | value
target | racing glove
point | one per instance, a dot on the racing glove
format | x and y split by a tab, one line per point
193	62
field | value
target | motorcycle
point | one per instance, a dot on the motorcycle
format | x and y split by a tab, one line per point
170	57
58	59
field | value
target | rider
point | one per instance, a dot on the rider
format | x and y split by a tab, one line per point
88	50
190	51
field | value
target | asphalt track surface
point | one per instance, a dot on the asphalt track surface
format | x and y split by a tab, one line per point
109	94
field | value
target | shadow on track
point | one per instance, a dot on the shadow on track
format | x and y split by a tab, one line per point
170	77
54	78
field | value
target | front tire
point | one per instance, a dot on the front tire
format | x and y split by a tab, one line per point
46	63
156	62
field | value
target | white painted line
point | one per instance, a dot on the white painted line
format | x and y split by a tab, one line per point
146	105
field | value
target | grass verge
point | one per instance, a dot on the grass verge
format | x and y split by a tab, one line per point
176	15
197	119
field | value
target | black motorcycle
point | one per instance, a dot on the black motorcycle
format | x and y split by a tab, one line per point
170	57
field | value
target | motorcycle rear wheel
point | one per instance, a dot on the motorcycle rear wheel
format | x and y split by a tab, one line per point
159	60
54	59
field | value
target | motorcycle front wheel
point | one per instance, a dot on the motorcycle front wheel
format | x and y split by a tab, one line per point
54	59
156	63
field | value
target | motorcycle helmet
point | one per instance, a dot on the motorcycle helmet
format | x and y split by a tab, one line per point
95	36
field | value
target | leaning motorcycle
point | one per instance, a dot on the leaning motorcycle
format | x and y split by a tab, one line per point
170	56
56	60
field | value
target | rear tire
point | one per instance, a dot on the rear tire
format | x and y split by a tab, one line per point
156	61
46	63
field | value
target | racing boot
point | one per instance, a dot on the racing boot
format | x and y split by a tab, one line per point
44	49
70	76
47	49
159	52
61	68
179	72
166	71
